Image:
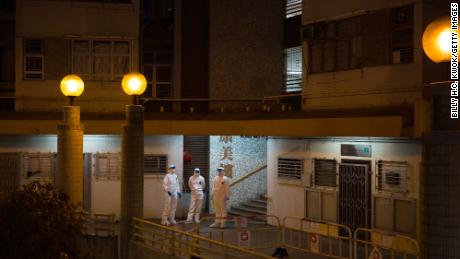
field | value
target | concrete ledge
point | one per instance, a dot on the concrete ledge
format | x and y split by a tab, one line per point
384	126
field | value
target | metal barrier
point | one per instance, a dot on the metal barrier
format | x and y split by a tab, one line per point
98	224
322	238
178	243
259	237
371	243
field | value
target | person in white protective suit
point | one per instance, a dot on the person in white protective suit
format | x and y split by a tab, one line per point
221	194
196	184
171	194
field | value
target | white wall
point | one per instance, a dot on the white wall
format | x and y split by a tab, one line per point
105	194
280	191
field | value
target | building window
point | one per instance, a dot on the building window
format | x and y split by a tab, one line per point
158	71
33	59
335	46
392	176
38	167
155	164
290	168
101	59
402	30
325	172
107	166
293	8
293	70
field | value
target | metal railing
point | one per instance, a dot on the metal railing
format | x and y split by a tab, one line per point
316	237
178	243
381	244
243	240
98	224
262	238
247	175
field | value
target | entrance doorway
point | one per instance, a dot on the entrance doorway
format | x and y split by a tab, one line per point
355	193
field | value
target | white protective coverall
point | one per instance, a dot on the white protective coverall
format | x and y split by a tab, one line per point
171	185
221	194
196	184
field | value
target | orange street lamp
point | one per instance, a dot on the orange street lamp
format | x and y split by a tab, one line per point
72	86
134	84
436	40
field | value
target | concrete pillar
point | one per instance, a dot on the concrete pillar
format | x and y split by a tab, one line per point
70	155
132	172
441	195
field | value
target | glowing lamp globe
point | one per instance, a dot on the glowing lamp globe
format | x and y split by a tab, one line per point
436	40
72	86
134	83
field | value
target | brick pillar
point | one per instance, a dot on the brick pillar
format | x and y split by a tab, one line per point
69	177
132	172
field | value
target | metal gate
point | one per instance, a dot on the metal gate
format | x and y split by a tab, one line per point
354	196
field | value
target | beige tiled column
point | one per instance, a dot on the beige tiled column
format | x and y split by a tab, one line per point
69	178
132	172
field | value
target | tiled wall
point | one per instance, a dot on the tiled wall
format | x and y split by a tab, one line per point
240	155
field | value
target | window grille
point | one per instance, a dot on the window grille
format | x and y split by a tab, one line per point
33	59
107	166
392	176
290	168
38	167
155	164
325	172
293	69
293	8
101	59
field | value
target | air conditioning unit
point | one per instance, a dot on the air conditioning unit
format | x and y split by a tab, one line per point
392	176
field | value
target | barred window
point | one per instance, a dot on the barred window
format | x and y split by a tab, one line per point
155	164
107	166
293	8
33	59
293	70
290	168
392	176
325	172
38	166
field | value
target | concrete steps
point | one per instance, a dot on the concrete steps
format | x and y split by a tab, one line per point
255	207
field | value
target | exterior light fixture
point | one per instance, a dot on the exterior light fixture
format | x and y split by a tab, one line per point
134	84
436	40
72	86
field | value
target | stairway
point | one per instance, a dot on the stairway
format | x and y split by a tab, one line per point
256	206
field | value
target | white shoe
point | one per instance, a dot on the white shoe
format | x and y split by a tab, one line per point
214	225
165	223
173	222
197	221
188	221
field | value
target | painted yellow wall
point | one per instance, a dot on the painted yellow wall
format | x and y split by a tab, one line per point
61	20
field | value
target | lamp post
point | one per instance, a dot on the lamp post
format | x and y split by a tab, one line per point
70	143
441	149
132	158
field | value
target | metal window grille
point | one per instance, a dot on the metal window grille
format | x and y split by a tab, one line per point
107	166
293	8
101	59
33	59
290	168
325	172
392	176
155	164
293	70
38	167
